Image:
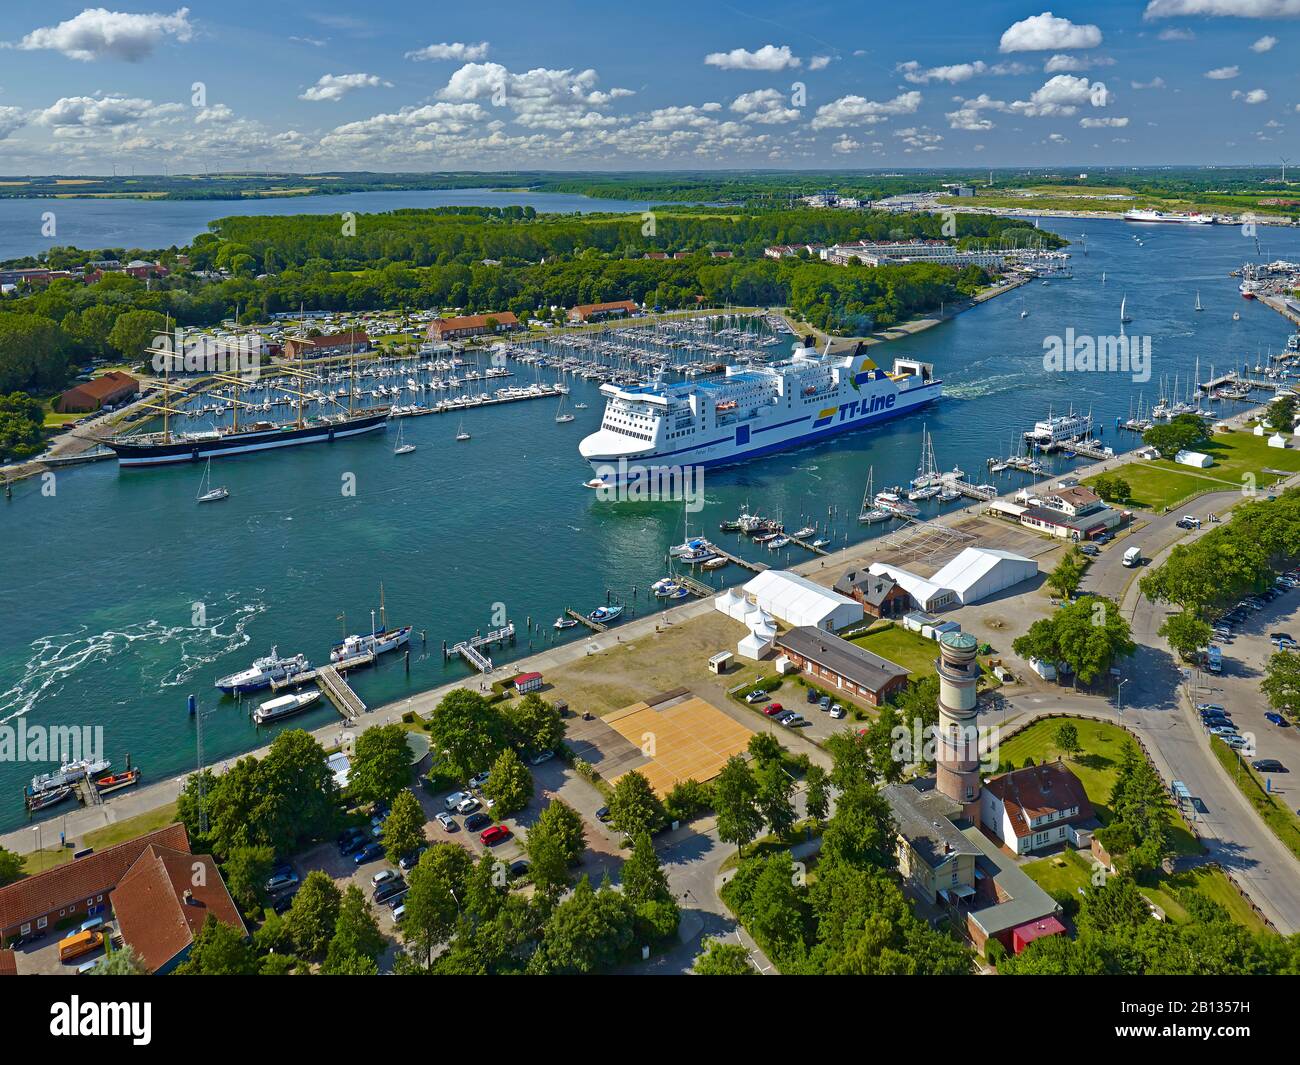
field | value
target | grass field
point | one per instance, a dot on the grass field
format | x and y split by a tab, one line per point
118	832
1160	483
1096	766
1068	872
908	649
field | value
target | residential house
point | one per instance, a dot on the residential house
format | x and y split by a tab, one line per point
1036	807
471	325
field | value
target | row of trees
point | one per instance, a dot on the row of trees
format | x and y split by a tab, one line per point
473	732
1087	635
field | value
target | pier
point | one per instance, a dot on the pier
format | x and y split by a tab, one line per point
447	406
743	563
970	491
1078	447
807	545
470	651
594	626
340	693
697	588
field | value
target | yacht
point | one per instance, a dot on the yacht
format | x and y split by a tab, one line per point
603	615
211	495
262	672
284	706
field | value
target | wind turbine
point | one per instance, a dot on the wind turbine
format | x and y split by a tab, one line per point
1285	160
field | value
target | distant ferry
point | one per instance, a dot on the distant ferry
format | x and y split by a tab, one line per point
1063	428
751	411
1144	215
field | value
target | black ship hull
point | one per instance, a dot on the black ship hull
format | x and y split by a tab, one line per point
242	443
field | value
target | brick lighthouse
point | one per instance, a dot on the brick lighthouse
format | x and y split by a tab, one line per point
957	754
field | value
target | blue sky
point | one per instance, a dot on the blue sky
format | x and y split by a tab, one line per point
670	85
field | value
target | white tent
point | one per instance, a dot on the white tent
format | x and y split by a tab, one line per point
1277	440
798	601
1197	459
979	572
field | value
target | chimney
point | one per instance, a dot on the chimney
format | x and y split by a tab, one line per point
188	897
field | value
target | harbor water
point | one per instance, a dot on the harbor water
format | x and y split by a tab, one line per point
122	596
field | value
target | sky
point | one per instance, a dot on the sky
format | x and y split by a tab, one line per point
673	85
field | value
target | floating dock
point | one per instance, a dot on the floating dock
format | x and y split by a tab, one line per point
447	406
594	626
744	563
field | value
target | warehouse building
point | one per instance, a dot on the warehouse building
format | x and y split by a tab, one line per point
842	666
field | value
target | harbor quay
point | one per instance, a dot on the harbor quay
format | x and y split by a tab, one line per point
821	569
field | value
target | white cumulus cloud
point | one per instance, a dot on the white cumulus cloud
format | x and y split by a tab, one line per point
770	57
98	33
1254	96
337	86
767	106
1047	33
1096	123
1223	8
857	111
1264	44
465	53
1222	73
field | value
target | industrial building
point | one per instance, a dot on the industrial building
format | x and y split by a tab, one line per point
834	663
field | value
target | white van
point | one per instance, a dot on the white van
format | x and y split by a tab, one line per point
1132	557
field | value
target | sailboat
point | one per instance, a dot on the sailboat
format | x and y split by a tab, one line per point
927	482
212	494
1023	312
561	416
1198	300
871	512
460	431
1103	277
1123	311
401	448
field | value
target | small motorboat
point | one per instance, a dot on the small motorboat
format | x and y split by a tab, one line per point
804	533
821	541
45	799
117	781
716	563
595	482
778	542
603	615
565	623
284	706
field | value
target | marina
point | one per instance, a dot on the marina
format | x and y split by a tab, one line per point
275	562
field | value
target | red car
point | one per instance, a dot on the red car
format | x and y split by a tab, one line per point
495	834
773	709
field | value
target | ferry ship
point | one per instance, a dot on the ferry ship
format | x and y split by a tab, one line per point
1144	215
751	411
1051	432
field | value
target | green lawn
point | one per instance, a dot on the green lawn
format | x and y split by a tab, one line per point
118	832
908	649
1096	765
1161	483
1061	874
1271	809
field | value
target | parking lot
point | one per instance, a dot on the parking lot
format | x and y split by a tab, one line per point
1245	655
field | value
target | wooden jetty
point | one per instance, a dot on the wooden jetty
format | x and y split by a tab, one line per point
971	491
744	563
447	406
807	545
311	675
339	692
1078	447
697	588
594	626
470	650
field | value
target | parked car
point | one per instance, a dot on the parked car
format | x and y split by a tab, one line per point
812	695
468	805
774	709
479	779
824	702
476	821
519	867
369	853
280	903
602	815
540	757
490	837
389	889
383	876
793	720
447	821
1267	765
755	697
1203	707
280	881
1089	549
1237	743
1275	719
837	712
455	799
410	861
1224	731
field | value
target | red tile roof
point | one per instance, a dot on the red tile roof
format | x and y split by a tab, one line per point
334	340
470	321
585	310
81	879
1038	790
163	900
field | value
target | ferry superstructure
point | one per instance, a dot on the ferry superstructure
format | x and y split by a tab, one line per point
751	411
1145	215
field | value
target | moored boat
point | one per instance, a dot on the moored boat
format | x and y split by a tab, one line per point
284	706
117	781
603	615
262	672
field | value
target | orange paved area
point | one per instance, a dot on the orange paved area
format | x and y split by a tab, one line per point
684	738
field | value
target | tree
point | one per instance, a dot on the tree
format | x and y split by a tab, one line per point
246	871
134	331
881	740
381	764
764	747
1112	487
296	798
1186	633
1066	577
469	729
437	884
861	831
817	798
1067	739
735	798
123	962
11	866
356	939
634	807
723	959
1087	635
774	912
554	843
533	724
687	800
403	828
772	797
588	932
852	759
1282	413
643	877
219	950
311	919
509	785
1281	683
1174	437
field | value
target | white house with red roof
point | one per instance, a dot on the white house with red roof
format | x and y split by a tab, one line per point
1036	807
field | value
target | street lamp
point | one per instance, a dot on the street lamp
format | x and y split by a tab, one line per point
1119	694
